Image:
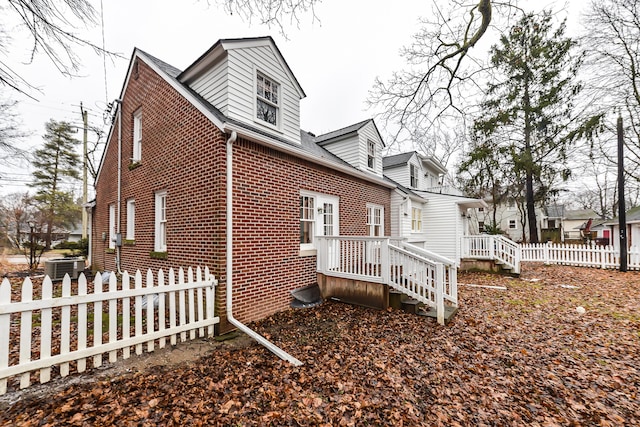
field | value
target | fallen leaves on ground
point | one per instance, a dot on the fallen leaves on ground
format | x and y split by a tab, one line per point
521	356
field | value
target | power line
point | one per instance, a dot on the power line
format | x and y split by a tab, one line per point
104	55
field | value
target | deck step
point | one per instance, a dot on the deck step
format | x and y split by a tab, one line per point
449	313
412	305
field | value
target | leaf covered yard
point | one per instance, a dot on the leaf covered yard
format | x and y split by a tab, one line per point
520	356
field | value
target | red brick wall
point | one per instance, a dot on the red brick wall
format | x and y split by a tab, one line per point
184	154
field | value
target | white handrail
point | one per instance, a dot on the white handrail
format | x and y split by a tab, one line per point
407	269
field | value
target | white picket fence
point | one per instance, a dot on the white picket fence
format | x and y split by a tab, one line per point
54	330
579	255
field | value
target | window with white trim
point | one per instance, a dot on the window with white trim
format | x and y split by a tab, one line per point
512	224
161	222
416	220
375	220
267	99
307	220
131	219
371	154
481	226
137	136
112	226
413	175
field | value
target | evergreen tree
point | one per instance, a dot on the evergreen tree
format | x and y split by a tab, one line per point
529	111
56	164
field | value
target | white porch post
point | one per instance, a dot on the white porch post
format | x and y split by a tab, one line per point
440	292
385	262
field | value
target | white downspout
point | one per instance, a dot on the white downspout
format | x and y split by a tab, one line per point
119	202
256	336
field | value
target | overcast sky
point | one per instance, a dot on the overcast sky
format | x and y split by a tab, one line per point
335	60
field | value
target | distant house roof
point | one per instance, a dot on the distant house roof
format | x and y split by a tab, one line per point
396	160
582	214
341	133
401	159
632	216
556	211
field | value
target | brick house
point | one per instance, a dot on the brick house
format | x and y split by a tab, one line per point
180	136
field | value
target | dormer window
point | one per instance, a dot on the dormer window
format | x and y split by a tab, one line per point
267	100
371	154
413	176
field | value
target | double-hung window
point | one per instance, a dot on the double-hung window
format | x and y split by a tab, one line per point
416	220
413	175
267	99
512	224
371	154
131	219
375	218
161	222
307	220
112	226
137	136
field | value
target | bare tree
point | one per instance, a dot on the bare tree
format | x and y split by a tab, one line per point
442	75
277	13
612	44
10	133
51	27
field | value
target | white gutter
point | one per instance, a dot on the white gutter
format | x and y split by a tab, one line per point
256	336
119	203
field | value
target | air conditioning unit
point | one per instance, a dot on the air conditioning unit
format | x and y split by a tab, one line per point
57	268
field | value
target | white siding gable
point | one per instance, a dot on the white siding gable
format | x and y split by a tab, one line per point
226	77
368	133
212	86
347	149
353	147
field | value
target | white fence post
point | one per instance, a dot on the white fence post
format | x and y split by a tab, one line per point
5	331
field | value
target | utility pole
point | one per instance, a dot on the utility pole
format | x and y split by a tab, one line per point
622	215
84	172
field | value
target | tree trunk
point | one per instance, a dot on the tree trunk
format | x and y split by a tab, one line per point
528	165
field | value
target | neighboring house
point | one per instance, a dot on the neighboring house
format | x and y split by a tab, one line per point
422	213
509	219
633	228
231	121
575	221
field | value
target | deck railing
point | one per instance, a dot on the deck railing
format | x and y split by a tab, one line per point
492	247
374	259
450	269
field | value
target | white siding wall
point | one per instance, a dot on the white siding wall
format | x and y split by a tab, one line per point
443	226
399	174
397	214
347	149
212	86
243	64
368	132
634	239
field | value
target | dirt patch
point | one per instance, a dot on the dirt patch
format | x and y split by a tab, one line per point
182	353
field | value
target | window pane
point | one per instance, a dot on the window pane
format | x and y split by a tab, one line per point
266	112
306	232
328	219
